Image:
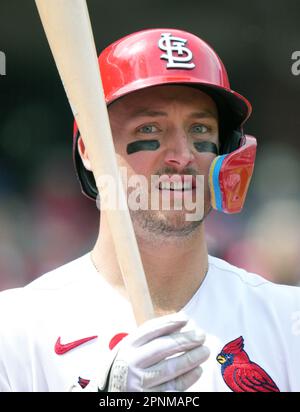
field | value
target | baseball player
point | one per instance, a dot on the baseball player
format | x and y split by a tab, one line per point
218	328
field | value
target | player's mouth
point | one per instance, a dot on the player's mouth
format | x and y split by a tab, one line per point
177	183
175	186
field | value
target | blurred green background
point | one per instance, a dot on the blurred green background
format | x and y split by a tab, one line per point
44	219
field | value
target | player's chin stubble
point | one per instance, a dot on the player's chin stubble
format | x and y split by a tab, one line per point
172	224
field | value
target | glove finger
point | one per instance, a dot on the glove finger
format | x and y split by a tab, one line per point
170	369
159	349
179	384
154	328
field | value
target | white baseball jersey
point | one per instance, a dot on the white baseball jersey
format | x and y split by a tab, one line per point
62	326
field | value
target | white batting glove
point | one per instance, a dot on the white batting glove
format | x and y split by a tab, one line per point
159	356
162	355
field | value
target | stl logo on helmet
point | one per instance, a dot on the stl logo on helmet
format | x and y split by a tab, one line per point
171	45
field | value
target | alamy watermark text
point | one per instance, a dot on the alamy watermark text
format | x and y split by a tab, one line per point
295	68
2	63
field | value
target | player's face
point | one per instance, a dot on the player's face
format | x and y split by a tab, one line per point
170	132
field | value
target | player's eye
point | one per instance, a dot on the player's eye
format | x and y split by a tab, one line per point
148	129
199	129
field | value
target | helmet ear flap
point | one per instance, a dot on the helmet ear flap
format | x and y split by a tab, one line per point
230	175
85	177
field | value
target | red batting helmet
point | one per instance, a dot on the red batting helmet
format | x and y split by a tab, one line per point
167	56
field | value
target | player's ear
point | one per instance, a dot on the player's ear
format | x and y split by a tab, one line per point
84	154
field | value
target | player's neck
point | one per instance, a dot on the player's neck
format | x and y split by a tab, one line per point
174	270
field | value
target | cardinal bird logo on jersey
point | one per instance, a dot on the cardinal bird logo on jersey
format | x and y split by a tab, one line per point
240	373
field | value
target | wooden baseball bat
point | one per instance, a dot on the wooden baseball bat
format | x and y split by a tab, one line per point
69	32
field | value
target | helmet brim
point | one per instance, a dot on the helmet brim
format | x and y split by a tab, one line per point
237	107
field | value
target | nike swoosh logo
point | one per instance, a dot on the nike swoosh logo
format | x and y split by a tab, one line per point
60	348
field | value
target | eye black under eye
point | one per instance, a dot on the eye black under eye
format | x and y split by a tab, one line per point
140	145
206	147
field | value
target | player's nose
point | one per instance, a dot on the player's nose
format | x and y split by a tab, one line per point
178	151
